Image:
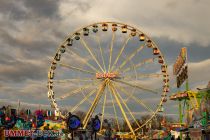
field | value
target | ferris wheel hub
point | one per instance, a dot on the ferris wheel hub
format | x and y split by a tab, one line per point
109	75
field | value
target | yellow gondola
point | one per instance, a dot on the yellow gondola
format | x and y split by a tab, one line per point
133	32
142	37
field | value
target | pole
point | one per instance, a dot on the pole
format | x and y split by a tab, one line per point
180	115
72	135
91	136
18	108
188	101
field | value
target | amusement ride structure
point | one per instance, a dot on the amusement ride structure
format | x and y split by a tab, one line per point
110	68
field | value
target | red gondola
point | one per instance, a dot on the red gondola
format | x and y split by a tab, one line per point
104	27
53	66
166	80
114	27
164	99
149	43
160	59
156	51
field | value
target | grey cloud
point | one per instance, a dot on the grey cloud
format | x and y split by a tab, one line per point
83	6
12	9
43	8
171	49
29	10
32	49
18	71
35	90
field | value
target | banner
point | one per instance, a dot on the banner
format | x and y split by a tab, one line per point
180	68
180	61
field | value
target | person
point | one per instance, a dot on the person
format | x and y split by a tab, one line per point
172	138
80	137
178	138
47	127
187	137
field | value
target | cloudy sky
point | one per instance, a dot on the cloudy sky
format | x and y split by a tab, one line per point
31	30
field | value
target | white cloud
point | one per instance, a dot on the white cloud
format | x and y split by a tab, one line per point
199	72
183	21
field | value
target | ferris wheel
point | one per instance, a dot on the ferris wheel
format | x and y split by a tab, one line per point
109	68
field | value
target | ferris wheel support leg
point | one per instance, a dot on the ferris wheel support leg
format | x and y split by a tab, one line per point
121	108
93	106
120	97
103	109
115	113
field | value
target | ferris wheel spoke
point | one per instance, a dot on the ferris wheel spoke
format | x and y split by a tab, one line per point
137	100
146	61
130	57
128	109
85	61
121	108
74	92
91	53
140	75
136	86
76	68
103	109
94	104
115	112
120	53
111	50
74	80
101	51
83	100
